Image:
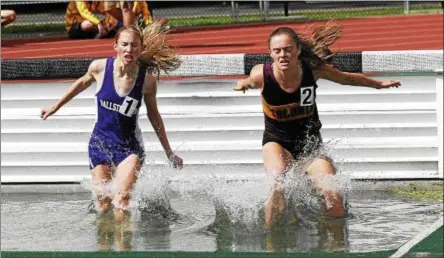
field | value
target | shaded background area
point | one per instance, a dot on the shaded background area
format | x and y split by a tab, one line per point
36	18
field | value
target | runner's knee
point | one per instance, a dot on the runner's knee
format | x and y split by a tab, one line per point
122	200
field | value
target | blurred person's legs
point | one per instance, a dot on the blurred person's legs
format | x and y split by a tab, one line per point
8	17
113	8
121	11
127	12
83	30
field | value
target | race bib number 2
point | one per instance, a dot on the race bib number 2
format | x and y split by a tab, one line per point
307	96
128	106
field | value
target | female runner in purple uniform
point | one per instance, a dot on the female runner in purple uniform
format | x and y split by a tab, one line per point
116	148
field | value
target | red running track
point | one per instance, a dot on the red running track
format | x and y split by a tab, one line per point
405	32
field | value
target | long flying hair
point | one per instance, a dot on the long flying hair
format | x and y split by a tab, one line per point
157	55
324	36
314	50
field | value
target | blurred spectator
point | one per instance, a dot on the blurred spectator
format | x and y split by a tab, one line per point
82	23
121	11
138	12
8	16
144	16
142	13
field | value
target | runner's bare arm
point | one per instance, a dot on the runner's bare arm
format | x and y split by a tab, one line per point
254	81
355	79
149	96
77	87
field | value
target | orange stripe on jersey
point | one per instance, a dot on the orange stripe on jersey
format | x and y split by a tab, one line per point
287	112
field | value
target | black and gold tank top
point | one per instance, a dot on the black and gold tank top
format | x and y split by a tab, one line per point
290	113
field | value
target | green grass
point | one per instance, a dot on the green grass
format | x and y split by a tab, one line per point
309	15
365	12
424	195
33	28
228	19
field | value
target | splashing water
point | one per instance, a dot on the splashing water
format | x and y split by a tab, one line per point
239	204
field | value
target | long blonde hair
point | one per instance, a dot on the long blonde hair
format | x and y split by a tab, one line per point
324	36
313	49
157	54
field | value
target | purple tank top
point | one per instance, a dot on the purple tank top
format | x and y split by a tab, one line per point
117	115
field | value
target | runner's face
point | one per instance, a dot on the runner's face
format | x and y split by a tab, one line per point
284	51
128	47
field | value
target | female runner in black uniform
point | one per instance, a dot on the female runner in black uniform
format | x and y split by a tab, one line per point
292	126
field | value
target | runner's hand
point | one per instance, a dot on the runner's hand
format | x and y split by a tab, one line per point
175	161
102	30
47	111
389	84
242	85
